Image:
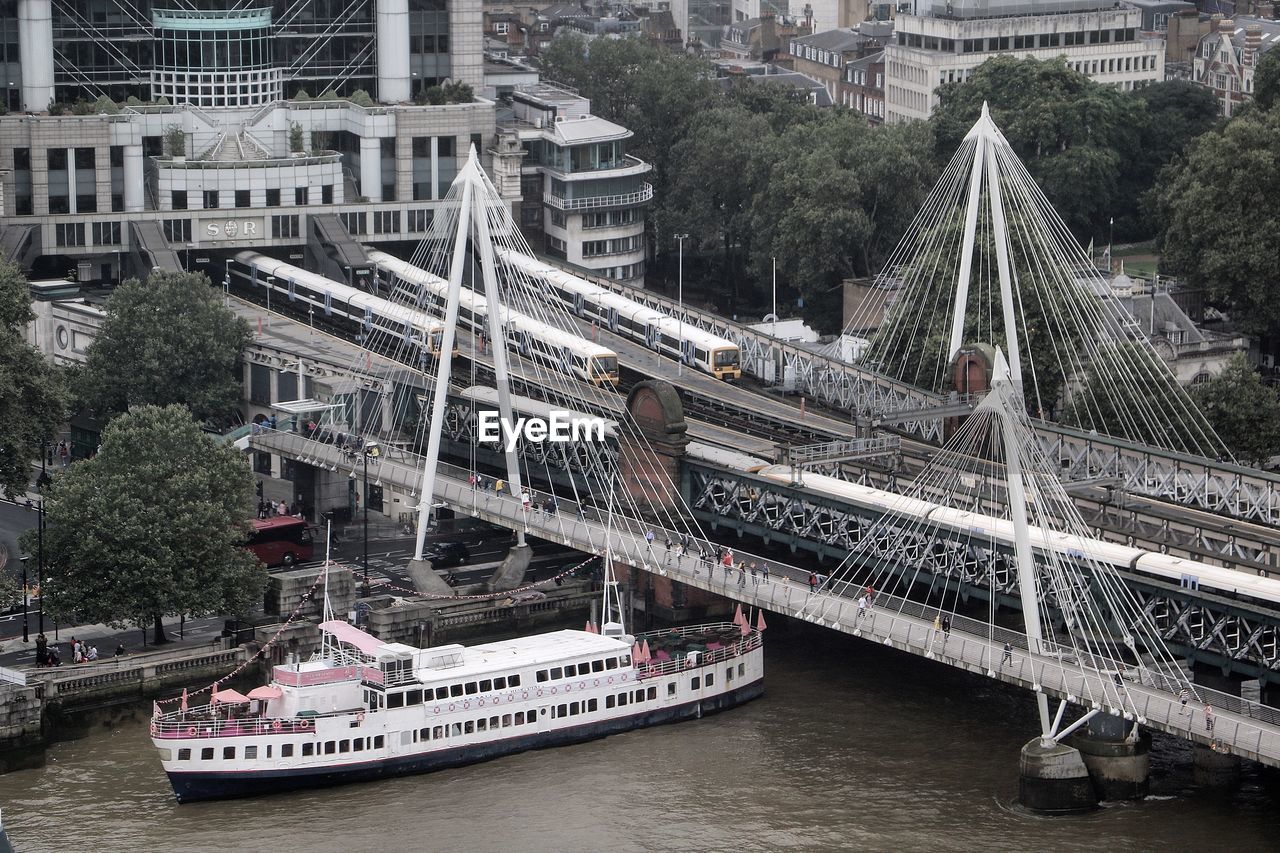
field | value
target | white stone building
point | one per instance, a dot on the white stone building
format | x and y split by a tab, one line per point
945	42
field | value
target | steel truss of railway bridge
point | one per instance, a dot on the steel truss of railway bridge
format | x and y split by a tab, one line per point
1239	727
1200	625
1233	490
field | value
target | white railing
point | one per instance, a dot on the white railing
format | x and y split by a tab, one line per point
645	194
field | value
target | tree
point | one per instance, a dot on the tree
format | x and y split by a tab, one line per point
151	526
167	340
175	140
32	397
297	138
719	171
1218	217
1071	133
836	207
1266	81
1242	410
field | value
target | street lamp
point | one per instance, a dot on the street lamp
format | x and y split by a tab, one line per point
680	299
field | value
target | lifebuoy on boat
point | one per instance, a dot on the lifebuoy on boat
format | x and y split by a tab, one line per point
539	692
611	679
437	709
525	694
481	702
597	684
304	725
360	718
553	691
191	731
466	706
276	725
582	685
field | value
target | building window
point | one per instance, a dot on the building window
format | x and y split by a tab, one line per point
177	230
242	198
326	194
386	222
106	233
210	199
69	234
179	199
284	226
420	219
273	198
300	196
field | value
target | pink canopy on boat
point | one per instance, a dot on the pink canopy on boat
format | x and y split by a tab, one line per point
347	633
230	697
266	691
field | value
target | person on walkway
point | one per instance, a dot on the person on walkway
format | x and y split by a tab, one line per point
862	606
120	650
42	649
742	575
764	570
1008	656
648	539
497	487
93	654
937	628
755	577
1184	696
524	500
75	648
946	627
813	582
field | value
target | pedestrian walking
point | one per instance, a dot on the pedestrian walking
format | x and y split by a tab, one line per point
524	500
1184	696
813	582
42	649
1008	656
742	576
937	627
862	606
755	577
497	487
764	570
648	539
120	650
93	654
946	626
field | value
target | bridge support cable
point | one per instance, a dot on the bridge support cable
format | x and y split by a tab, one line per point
988	261
990	491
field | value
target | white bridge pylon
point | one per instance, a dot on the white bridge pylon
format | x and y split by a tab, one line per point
475	197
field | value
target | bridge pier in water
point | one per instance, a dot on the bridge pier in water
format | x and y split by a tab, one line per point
1118	755
1053	778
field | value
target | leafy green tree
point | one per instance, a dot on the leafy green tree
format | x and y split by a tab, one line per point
1266	81
10	591
1071	133
836	206
151	526
32	396
1243	411
166	340
1219	217
720	170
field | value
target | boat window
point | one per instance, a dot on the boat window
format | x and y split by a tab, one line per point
622	699
574	708
608	701
395	700
482	724
378	742
597	666
250	752
499	684
625	660
442	693
455	689
519	718
506	720
486	686
206	754
557	673
184	755
728	673
413	697
308	749
640	695
611	663
742	669
437	732
457	729
651	693
695	682
406	738
471	688
344	746
228	753
424	735
671	689
592	705
357	745
563	711
711	678
493	722
268	750
513	681
286	750
330	747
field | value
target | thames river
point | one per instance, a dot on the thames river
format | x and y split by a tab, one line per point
853	747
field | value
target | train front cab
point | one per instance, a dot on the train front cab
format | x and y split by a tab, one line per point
726	364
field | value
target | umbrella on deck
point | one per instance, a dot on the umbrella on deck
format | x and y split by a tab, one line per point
760	626
266	692
230	697
182	706
738	618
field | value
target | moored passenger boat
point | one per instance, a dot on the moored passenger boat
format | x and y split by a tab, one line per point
365	709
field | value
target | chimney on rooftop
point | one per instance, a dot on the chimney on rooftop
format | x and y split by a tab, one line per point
1252	44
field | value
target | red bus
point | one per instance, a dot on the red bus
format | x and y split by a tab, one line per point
281	540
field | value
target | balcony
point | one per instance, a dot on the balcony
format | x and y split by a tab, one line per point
645	194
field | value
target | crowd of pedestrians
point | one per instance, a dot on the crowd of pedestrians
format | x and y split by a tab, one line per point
81	651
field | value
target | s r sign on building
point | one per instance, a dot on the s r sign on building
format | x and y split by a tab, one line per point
228	230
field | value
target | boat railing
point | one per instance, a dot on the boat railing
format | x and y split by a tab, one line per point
206	721
710	657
